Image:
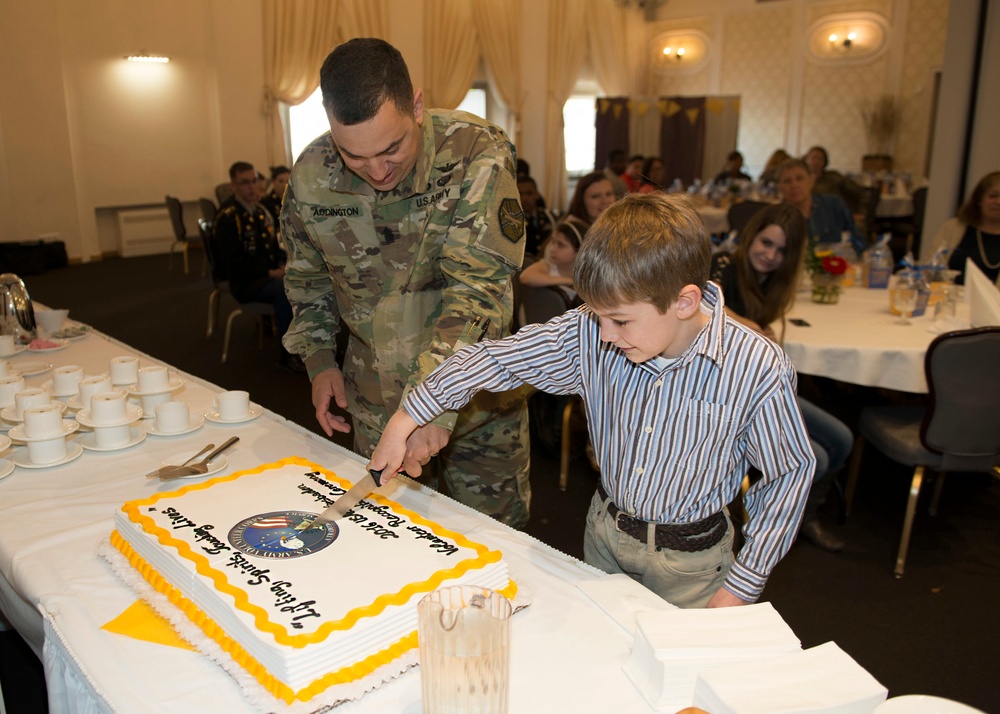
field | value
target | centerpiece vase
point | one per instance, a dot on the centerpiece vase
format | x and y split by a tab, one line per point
826	288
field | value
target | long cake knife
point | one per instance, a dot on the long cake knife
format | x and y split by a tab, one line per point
349	500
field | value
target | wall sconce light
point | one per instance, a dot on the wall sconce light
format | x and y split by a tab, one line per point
679	51
147	58
844	43
848	38
678	55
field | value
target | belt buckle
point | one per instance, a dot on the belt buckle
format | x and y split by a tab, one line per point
618	522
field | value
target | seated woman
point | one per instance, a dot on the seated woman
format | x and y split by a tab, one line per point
592	196
654	174
770	174
273	198
827	217
832	182
975	232
758	285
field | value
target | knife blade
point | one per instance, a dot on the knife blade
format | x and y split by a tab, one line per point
342	505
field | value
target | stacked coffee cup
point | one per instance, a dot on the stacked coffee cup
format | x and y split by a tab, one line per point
153	387
66	381
45	431
111	418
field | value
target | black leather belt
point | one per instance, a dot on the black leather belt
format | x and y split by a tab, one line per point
687	537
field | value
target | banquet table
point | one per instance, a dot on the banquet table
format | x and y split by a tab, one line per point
57	592
858	341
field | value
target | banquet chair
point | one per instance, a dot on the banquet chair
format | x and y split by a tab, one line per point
541	305
741	213
208	208
182	240
222	192
262	311
958	431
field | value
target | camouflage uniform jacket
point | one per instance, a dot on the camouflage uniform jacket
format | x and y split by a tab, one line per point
408	270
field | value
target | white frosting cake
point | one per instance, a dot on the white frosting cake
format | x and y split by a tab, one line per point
314	616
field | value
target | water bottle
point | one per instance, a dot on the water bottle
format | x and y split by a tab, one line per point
877	265
677	186
695	188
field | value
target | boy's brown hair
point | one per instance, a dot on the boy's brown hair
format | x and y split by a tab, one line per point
644	248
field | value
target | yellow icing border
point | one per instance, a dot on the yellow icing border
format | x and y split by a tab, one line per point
260	616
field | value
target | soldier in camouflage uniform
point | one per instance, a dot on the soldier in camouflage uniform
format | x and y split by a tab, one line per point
406	225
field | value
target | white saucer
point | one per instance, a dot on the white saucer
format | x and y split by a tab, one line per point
76	405
172	386
30	369
73	451
71	332
132	413
4	443
16	433
193	425
89	440
124	385
59	345
18	349
6	468
10	414
255	411
214	466
922	704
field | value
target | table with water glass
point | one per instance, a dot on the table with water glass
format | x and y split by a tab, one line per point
58	593
859	341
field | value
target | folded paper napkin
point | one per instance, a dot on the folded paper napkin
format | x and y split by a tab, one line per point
824	680
622	598
672	647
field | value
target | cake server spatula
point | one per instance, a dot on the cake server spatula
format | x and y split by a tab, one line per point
349	500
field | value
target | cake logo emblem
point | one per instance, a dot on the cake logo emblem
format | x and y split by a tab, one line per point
273	535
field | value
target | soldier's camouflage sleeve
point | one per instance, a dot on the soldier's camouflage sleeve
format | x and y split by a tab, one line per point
316	318
484	248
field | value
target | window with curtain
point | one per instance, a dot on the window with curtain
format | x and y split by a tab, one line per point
579	133
308	120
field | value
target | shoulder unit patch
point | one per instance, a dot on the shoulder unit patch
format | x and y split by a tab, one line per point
511	219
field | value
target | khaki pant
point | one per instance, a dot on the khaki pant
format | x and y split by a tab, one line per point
681	578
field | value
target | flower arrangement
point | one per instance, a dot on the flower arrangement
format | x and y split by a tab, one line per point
827	272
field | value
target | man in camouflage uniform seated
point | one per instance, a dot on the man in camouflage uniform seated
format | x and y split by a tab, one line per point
405	224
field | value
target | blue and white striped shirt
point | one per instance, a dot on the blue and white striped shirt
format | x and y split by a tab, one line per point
673	442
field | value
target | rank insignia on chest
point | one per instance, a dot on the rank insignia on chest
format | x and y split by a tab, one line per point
511	220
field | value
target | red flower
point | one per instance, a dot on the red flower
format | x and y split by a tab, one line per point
834	265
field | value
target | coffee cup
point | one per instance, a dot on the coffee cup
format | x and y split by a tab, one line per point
172	417
9	386
49	451
107	408
89	386
51	320
153	379
66	380
110	437
30	397
233	405
7	345
43	422
150	402
124	369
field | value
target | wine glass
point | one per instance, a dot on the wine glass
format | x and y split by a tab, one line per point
906	300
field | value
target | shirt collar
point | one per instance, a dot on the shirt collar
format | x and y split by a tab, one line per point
709	341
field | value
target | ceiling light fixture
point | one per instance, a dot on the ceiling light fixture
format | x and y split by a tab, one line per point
147	58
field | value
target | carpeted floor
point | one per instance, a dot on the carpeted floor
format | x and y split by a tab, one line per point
932	632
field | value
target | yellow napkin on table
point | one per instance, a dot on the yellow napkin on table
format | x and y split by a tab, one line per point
142	622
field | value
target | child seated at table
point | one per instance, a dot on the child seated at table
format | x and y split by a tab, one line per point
555	269
681	401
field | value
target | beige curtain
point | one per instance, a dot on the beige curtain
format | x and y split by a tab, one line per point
498	26
451	52
362	18
565	51
297	38
617	45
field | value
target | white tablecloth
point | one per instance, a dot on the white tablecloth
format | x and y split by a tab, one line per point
858	341
716	218
566	653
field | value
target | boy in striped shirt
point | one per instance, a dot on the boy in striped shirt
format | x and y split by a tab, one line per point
681	402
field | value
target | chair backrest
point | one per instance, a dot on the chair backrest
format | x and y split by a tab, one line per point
176	217
741	213
208	209
963	420
208	243
542	304
868	205
222	192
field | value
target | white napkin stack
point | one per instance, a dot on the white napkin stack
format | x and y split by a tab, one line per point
822	680
673	647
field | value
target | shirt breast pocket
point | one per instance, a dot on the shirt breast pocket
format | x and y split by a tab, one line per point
704	436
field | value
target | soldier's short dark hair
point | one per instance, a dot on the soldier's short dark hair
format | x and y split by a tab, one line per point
238	168
643	248
360	75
